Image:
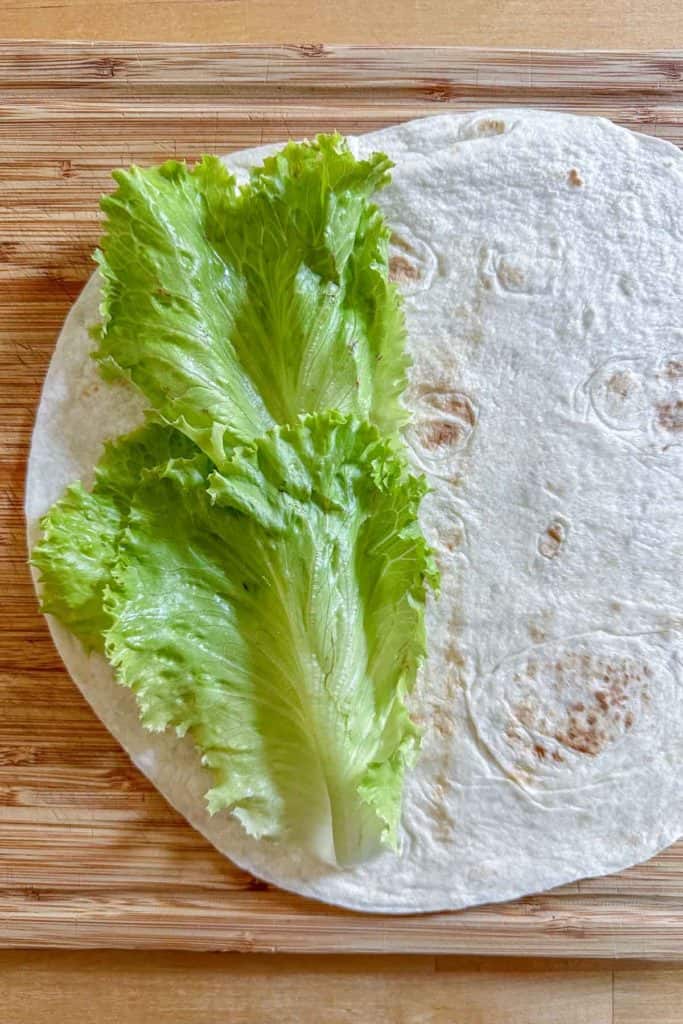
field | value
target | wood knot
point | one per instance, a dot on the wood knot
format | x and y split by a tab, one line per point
440	91
312	50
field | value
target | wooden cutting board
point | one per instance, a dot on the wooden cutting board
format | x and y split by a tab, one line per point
90	854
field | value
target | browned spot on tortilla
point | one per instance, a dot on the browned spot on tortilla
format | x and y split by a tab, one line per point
574	178
441	719
91	389
587	733
557	756
552	540
439	433
584	726
401	242
509	275
453	653
621	384
459	405
582	739
525	715
670	415
540	751
451	403
490	126
674	369
540	626
536	632
402	270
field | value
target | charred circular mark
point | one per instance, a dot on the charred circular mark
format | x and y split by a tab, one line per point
618	394
561	707
412	263
441	429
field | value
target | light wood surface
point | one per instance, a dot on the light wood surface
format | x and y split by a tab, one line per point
90	854
269	990
627	24
175	988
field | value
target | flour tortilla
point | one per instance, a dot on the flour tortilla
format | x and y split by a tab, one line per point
542	260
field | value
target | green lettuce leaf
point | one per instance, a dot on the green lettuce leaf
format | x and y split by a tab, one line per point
277	616
251	565
75	556
81	532
233	309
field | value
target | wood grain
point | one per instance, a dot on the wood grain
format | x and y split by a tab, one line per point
56	987
269	990
546	23
90	855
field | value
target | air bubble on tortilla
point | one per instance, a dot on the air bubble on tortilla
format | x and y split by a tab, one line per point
619	394
483	128
628	205
637	399
440	430
443	525
412	262
553	539
520	273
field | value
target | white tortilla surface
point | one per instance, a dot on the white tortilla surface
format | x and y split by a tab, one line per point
541	256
